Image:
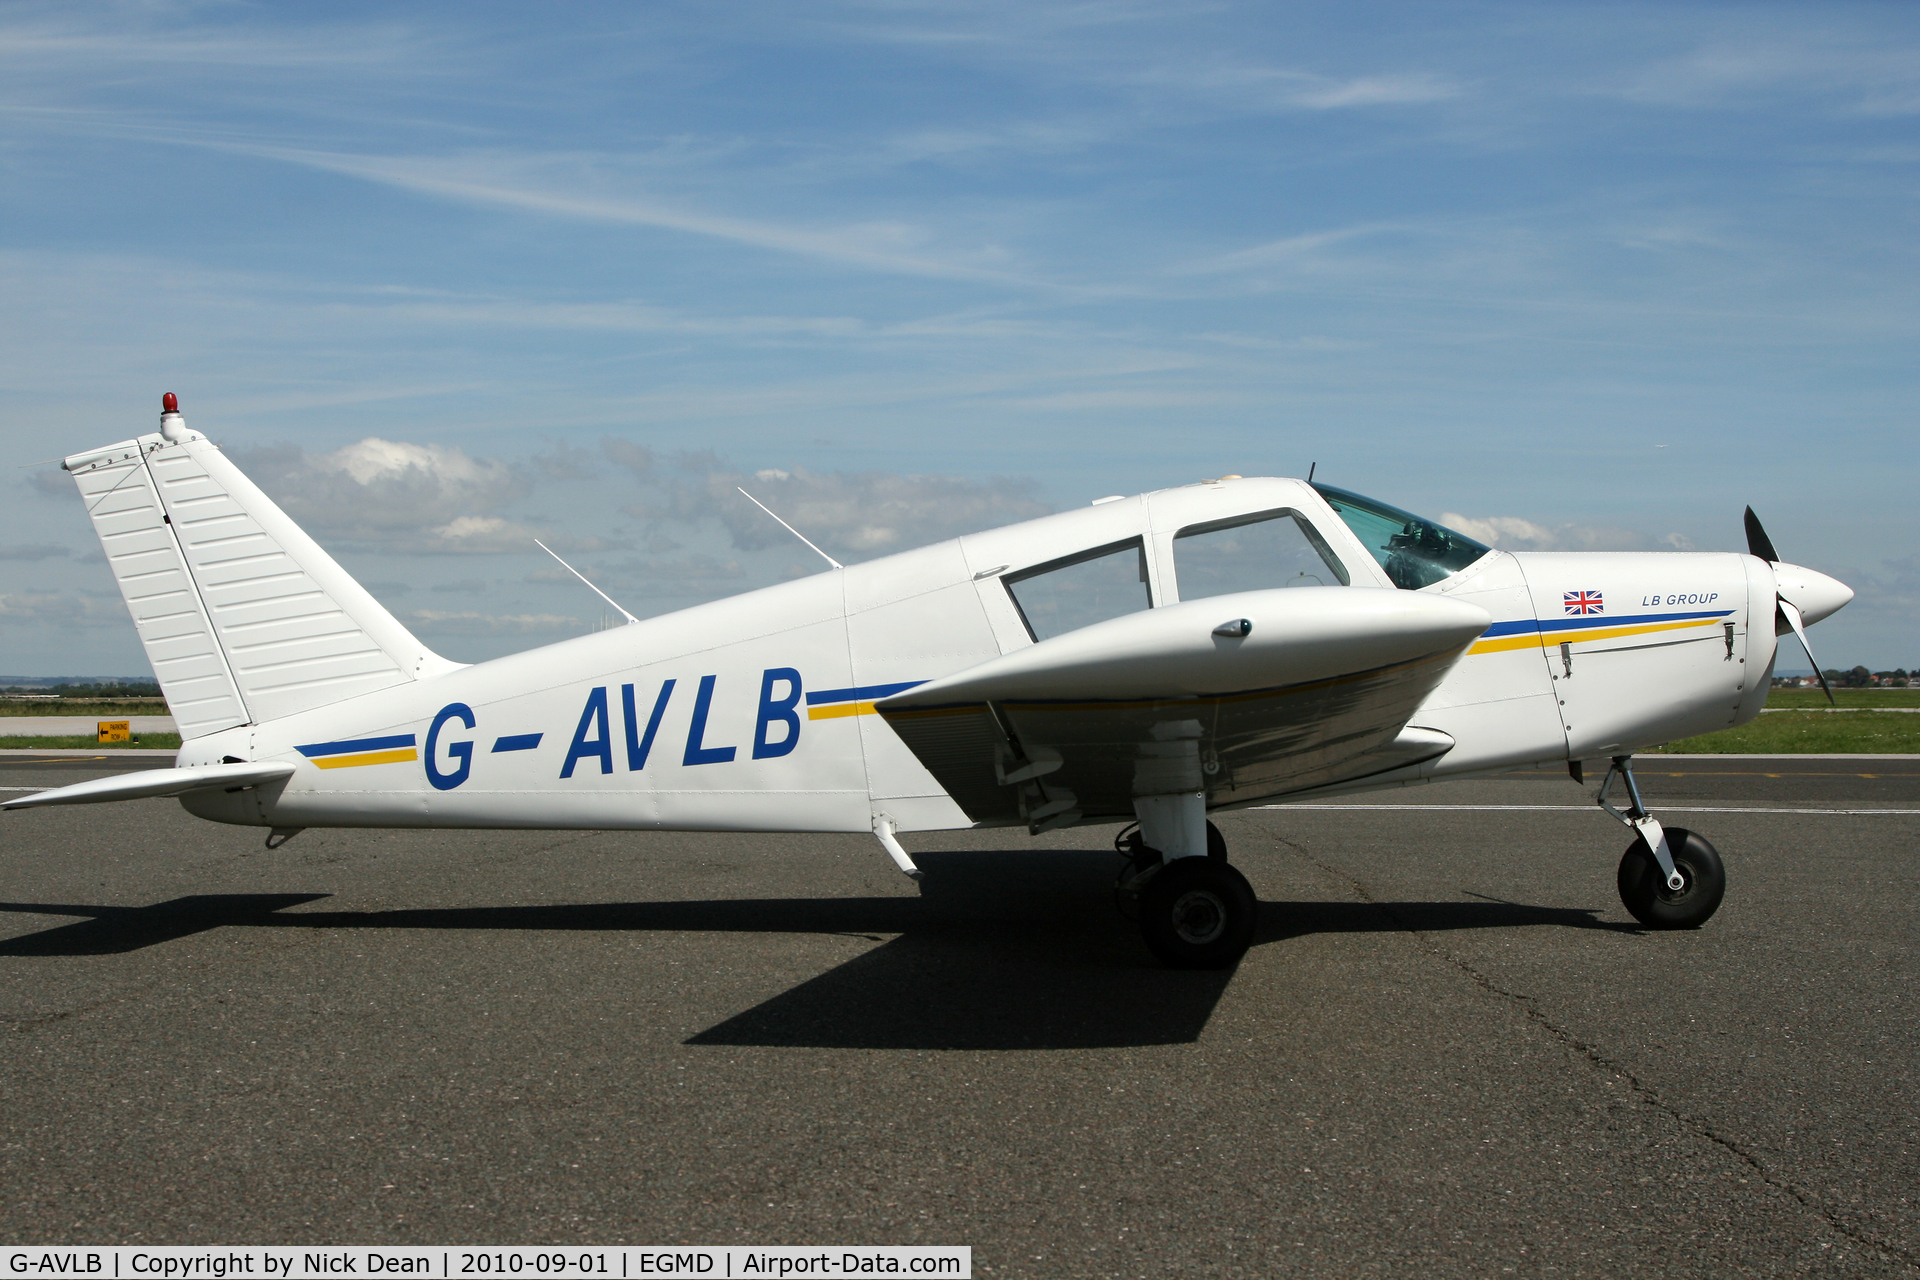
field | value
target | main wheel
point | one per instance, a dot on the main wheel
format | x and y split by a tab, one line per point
1643	888
1143	863
1197	913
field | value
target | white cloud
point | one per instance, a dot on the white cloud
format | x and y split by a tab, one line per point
527	183
436	499
478	535
1512	533
384	492
1379	91
636	458
60	608
429	622
1861	75
1290	250
855	514
695	573
1508	532
599	317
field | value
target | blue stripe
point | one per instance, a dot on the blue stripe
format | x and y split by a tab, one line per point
865	693
517	742
313	749
1593	620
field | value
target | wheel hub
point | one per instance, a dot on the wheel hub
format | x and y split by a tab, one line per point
1666	894
1199	917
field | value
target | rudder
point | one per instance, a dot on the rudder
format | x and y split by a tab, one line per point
243	616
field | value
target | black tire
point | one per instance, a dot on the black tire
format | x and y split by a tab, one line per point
1141	863
1198	913
1643	890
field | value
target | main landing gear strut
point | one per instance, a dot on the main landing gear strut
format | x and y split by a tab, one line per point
1670	878
1195	910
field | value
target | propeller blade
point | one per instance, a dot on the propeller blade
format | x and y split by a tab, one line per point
1792	616
1757	540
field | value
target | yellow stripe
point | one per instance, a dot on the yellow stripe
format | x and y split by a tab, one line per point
1548	639
401	756
842	709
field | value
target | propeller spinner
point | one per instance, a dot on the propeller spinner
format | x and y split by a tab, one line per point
1801	595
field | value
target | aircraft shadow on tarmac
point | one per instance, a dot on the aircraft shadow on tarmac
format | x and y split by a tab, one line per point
1000	950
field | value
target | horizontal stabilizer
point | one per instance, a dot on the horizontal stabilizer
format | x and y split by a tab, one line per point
156	782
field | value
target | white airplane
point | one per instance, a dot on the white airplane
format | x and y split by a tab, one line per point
1147	660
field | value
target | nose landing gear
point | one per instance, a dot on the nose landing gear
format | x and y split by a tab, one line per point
1670	878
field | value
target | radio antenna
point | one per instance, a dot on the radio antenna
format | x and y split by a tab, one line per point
583	577
789	528
1310	469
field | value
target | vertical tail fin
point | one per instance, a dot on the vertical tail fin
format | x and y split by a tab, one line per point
243	616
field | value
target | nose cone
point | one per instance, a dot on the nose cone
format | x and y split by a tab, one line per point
1813	593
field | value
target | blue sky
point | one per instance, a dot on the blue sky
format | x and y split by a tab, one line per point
446	278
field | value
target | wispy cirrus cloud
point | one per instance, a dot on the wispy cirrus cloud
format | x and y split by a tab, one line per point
1240	86
526	183
1403	90
1855	72
170	42
1296	250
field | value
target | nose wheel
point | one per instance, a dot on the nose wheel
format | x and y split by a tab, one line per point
1670	878
1645	890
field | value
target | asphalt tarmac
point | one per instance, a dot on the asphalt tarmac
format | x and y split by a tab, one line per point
1451	1052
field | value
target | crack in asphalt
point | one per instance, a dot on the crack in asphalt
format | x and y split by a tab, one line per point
1592	1053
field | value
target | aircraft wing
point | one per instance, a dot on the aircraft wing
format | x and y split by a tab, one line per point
1243	697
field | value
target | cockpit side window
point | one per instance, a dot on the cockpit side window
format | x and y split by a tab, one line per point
1253	553
1414	552
1079	590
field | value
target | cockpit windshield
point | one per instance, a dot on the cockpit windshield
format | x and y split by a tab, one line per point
1414	552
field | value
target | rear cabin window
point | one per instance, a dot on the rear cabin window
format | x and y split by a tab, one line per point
1253	553
1414	552
1077	591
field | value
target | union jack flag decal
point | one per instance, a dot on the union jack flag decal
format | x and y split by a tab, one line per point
1584	602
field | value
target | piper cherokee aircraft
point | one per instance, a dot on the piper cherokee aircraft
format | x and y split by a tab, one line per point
1147	660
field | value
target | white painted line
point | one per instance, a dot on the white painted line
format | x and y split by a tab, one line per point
1645	756
1827	711
1568	808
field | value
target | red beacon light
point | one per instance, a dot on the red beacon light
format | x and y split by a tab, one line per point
173	427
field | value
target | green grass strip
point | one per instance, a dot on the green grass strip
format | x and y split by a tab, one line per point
1790	733
1845	697
97	710
85	741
